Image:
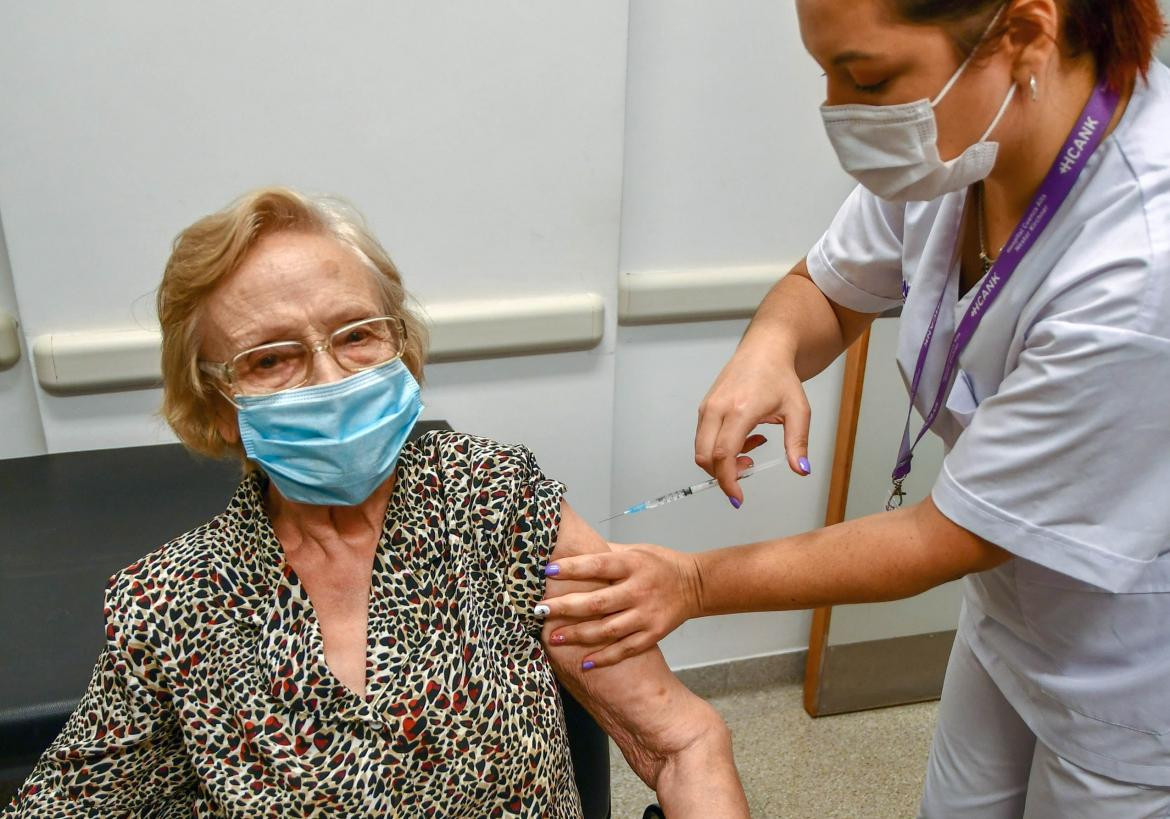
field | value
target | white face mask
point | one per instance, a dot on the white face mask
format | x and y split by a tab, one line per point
893	149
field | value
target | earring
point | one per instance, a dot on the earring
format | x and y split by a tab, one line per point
1032	85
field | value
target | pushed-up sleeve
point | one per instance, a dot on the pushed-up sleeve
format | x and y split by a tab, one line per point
121	752
519	514
857	263
1068	464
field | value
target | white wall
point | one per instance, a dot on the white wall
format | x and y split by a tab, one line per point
1164	48
482	141
21	433
662	374
498	150
726	167
726	158
879	430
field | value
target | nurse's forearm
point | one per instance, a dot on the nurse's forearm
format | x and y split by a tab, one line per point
882	557
798	321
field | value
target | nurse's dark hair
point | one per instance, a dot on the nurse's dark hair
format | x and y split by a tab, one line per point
1120	34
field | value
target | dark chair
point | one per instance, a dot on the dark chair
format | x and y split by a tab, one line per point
68	522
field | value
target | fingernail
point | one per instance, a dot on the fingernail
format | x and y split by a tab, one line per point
557	639
542	610
552	570
804	465
736	502
588	664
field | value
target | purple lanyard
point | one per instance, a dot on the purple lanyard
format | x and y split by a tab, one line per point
1086	135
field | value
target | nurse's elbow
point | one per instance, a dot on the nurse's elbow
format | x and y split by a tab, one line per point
960	550
988	555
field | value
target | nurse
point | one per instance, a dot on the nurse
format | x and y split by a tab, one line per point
1014	199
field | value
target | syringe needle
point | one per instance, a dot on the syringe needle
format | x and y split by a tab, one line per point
691	490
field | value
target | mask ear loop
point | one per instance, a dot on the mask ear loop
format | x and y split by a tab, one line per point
999	116
959	73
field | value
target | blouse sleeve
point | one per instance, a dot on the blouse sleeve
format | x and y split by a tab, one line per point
857	263
1067	464
121	752
520	513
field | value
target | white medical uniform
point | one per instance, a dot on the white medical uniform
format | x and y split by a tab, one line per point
1058	437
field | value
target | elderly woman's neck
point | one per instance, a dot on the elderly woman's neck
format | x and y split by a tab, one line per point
301	525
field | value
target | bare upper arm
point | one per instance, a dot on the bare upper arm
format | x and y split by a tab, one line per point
963	551
852	323
574	538
638	702
672	739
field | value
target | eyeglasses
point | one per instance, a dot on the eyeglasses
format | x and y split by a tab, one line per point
286	365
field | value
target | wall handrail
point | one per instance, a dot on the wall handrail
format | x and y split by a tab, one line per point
699	294
9	340
118	359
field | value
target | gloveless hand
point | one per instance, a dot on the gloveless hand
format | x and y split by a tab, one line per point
756	387
652	591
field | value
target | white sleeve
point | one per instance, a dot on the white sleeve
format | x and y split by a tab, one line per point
858	261
1068	464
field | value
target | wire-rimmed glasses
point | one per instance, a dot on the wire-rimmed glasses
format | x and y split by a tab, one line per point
286	365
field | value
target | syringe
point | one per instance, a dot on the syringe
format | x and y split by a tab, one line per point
686	492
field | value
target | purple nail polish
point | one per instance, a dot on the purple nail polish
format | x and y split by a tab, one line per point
552	570
804	465
588	664
736	502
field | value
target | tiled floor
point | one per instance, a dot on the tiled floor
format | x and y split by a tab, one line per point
860	766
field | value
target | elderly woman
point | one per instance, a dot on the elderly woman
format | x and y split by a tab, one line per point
358	633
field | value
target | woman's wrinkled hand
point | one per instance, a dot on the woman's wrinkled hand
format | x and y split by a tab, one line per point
753	389
652	591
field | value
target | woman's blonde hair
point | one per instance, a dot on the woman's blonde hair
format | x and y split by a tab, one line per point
210	250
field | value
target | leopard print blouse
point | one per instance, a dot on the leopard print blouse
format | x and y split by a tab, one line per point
212	696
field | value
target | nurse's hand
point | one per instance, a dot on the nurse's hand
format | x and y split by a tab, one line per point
754	388
652	591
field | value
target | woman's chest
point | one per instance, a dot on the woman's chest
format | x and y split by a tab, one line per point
338	590
458	705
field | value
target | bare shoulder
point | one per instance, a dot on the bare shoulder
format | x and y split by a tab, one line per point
575	536
576	539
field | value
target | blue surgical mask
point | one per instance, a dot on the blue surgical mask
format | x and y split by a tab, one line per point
332	444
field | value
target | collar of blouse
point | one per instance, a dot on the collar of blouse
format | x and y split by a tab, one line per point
254	586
